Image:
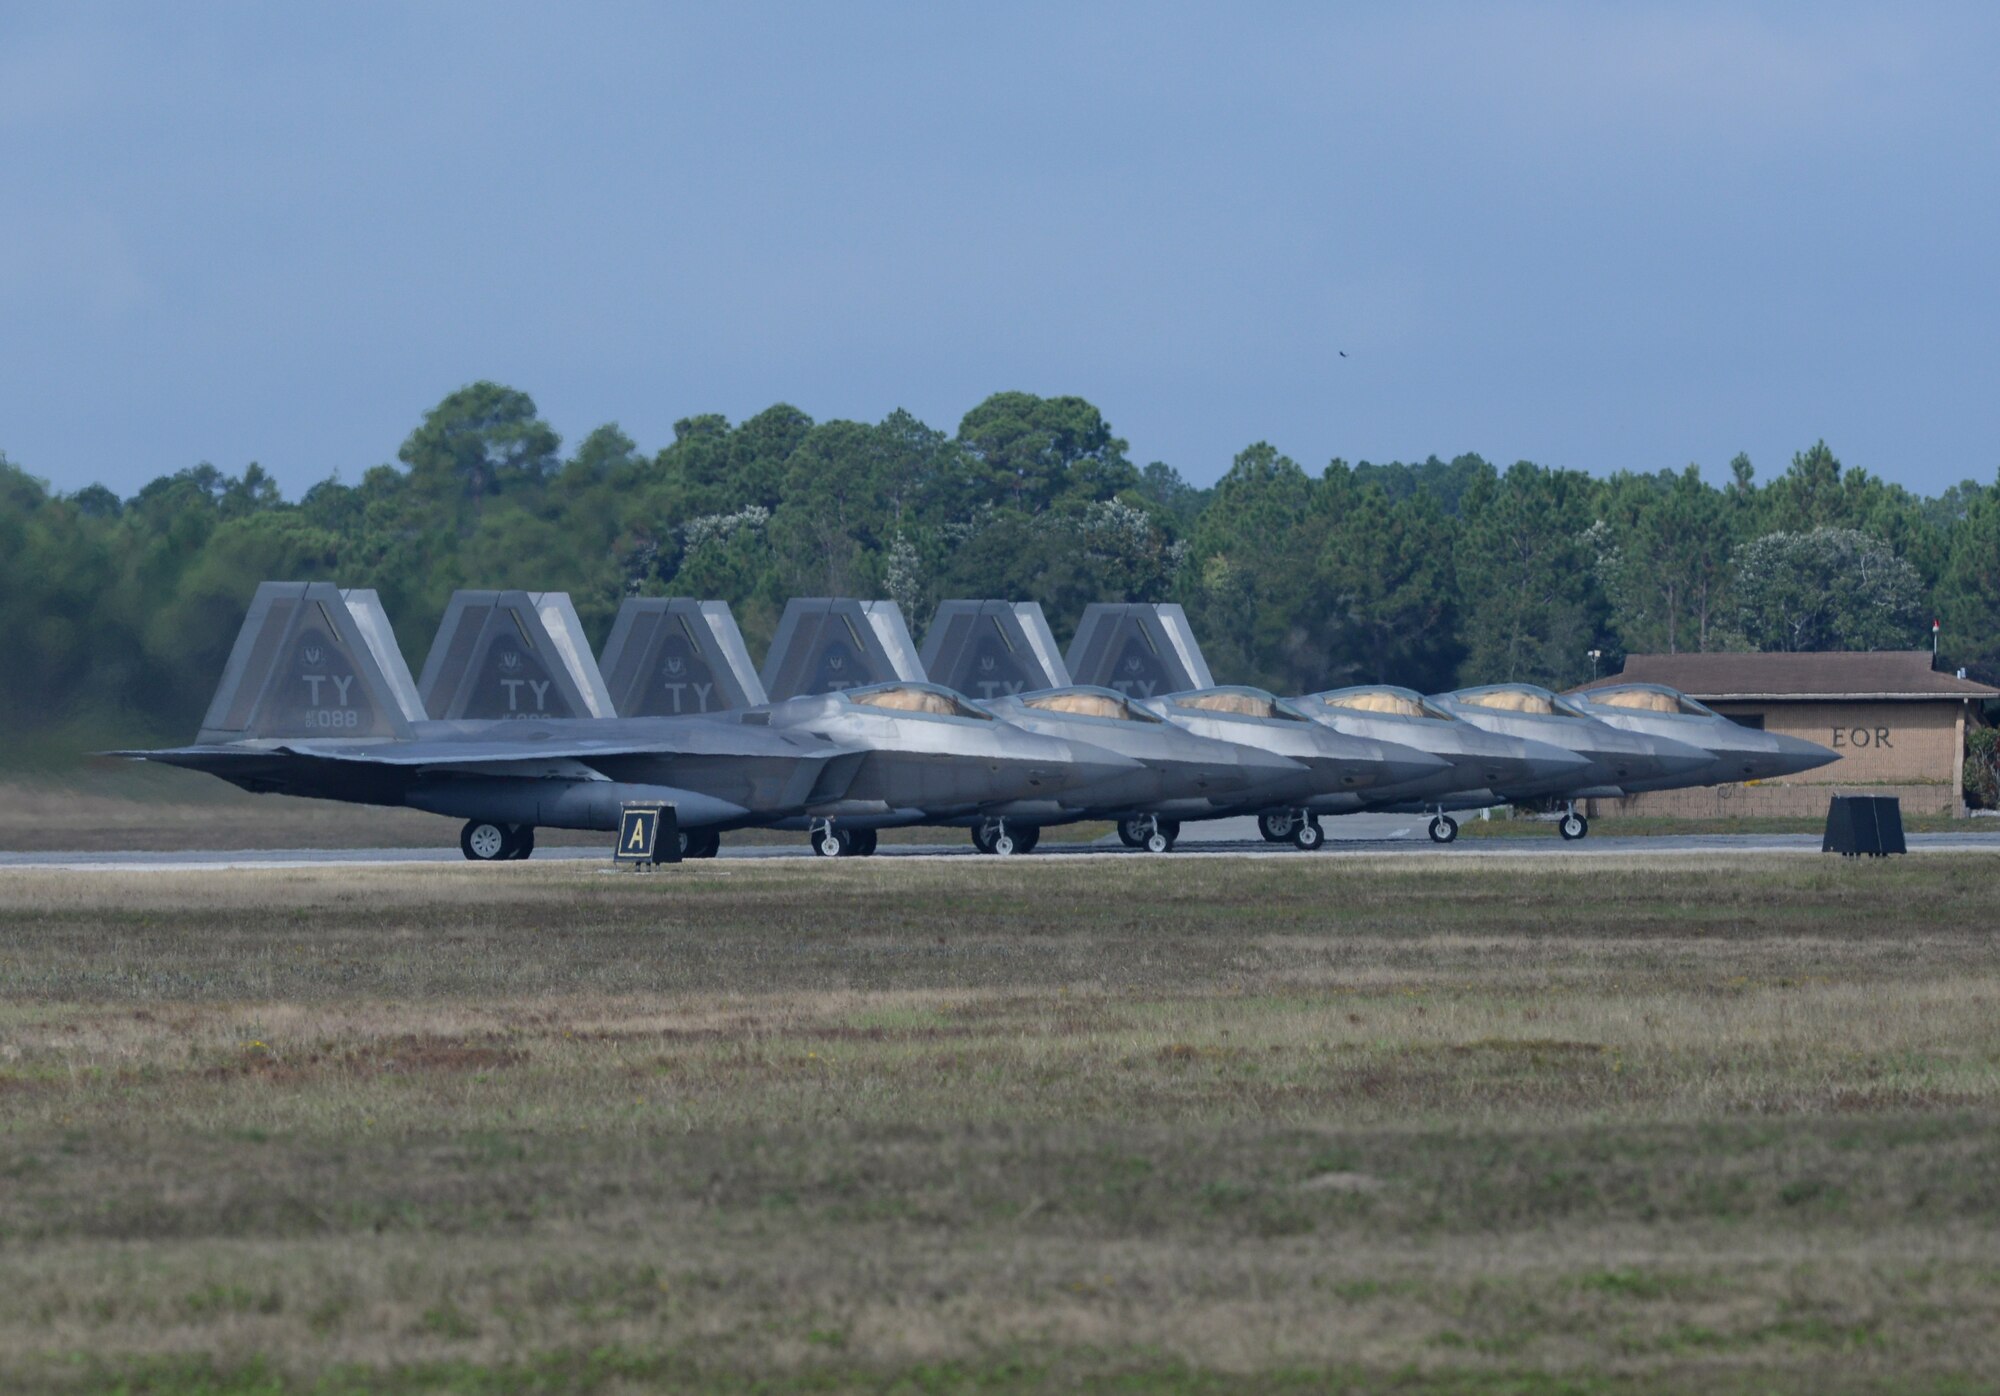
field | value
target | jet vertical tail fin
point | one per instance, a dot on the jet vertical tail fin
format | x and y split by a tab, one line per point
512	654
312	661
826	644
989	649
668	656
1141	650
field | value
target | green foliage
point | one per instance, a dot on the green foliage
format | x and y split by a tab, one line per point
118	614
1831	588
1982	768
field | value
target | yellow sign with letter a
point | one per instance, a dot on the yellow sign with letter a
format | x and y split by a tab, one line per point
648	834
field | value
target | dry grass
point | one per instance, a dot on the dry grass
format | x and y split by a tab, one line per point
1451	1125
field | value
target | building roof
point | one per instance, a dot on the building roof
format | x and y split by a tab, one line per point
1900	675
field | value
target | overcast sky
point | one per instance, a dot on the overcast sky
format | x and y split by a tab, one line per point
1593	236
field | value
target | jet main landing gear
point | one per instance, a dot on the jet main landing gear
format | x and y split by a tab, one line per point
484	841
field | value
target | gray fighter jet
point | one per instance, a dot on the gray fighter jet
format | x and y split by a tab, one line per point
931	756
1339	769
317	701
1003	653
1739	752
1179	775
1620	761
1485	768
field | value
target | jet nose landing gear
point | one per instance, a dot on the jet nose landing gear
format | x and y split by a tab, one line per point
1573	826
830	842
997	837
1149	832
1443	829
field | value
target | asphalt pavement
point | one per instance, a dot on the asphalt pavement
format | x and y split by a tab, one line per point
1347	836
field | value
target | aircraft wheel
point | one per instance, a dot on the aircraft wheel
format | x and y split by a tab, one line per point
1171	828
484	841
1574	826
1159	841
1277	826
1132	832
1444	829
862	842
1004	845
1308	835
705	844
828	843
1026	839
523	836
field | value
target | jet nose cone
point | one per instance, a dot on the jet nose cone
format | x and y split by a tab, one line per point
1795	754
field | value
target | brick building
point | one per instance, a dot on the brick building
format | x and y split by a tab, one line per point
1898	724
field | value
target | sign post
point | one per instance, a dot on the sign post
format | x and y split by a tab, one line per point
648	832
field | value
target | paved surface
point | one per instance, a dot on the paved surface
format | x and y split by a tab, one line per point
1348	835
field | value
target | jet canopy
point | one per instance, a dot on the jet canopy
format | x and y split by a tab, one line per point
1522	698
1649	698
1239	702
1393	702
1089	702
915	698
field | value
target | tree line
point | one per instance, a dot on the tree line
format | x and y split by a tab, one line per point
119	613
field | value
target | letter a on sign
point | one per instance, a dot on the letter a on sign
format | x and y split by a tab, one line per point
637	829
648	833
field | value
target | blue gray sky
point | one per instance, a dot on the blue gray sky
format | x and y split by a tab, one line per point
1595	236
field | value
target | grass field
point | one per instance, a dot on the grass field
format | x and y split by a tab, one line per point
1440	1125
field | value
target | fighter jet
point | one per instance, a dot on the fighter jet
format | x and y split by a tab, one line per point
1002	654
931	756
1739	752
1338	769
317	701
1485	768
1620	761
1178	775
